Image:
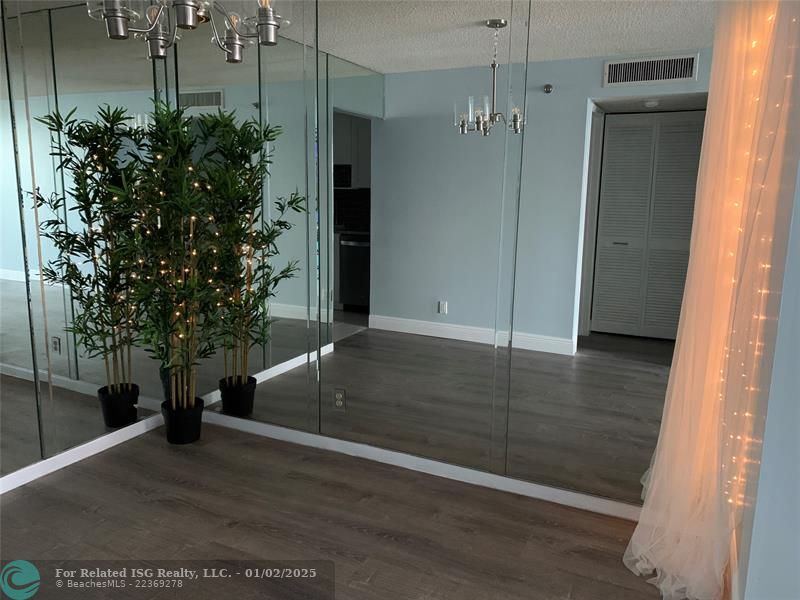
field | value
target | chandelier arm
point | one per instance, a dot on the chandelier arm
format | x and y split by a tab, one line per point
225	13
174	29
216	33
152	25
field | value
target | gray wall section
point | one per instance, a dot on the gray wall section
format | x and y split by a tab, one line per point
437	197
774	542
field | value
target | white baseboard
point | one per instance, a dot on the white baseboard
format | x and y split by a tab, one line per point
68	457
288	311
466	333
295	311
545	343
429	466
481	335
292	363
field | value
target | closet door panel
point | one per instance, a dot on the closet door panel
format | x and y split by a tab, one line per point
672	210
617	299
625	188
666	274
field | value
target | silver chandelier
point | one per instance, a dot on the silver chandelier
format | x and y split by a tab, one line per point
483	116
163	19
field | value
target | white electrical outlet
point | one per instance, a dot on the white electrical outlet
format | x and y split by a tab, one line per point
441	307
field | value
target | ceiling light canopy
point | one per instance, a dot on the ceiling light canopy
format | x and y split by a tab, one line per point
163	18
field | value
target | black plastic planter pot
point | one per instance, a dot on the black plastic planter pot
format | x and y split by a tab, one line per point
237	398
119	409
183	424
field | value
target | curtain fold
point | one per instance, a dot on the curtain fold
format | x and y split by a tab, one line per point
705	465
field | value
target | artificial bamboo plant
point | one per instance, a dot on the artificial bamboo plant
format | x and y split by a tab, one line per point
177	244
95	246
246	276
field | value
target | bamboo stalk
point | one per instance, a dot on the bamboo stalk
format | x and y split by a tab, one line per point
120	351
182	381
114	360
192	385
128	344
225	359
245	361
233	360
243	378
93	249
173	387
248	298
108	371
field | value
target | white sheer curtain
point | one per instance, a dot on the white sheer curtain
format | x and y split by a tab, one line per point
709	447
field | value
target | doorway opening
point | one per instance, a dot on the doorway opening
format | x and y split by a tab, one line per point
351	221
644	157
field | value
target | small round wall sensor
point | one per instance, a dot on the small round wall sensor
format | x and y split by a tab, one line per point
548	88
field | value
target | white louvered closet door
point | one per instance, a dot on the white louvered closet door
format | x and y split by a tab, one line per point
679	137
649	171
624	213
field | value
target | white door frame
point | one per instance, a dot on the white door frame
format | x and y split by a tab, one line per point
596	130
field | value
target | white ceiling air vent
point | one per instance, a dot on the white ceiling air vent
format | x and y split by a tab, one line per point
650	70
196	103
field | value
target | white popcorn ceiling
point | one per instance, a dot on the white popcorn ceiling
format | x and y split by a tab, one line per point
401	35
387	36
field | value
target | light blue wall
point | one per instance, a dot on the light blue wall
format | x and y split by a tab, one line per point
362	95
774	550
10	238
436	203
437	197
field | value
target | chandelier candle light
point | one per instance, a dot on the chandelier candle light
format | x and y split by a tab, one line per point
163	18
486	116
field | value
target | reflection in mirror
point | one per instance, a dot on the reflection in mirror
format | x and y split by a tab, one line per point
495	237
51	75
605	220
269	86
576	231
19	425
415	216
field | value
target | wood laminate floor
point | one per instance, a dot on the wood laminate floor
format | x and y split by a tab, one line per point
587	422
393	534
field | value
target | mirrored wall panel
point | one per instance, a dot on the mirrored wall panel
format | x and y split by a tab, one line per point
605	218
468	241
19	398
419	206
67	83
48	52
